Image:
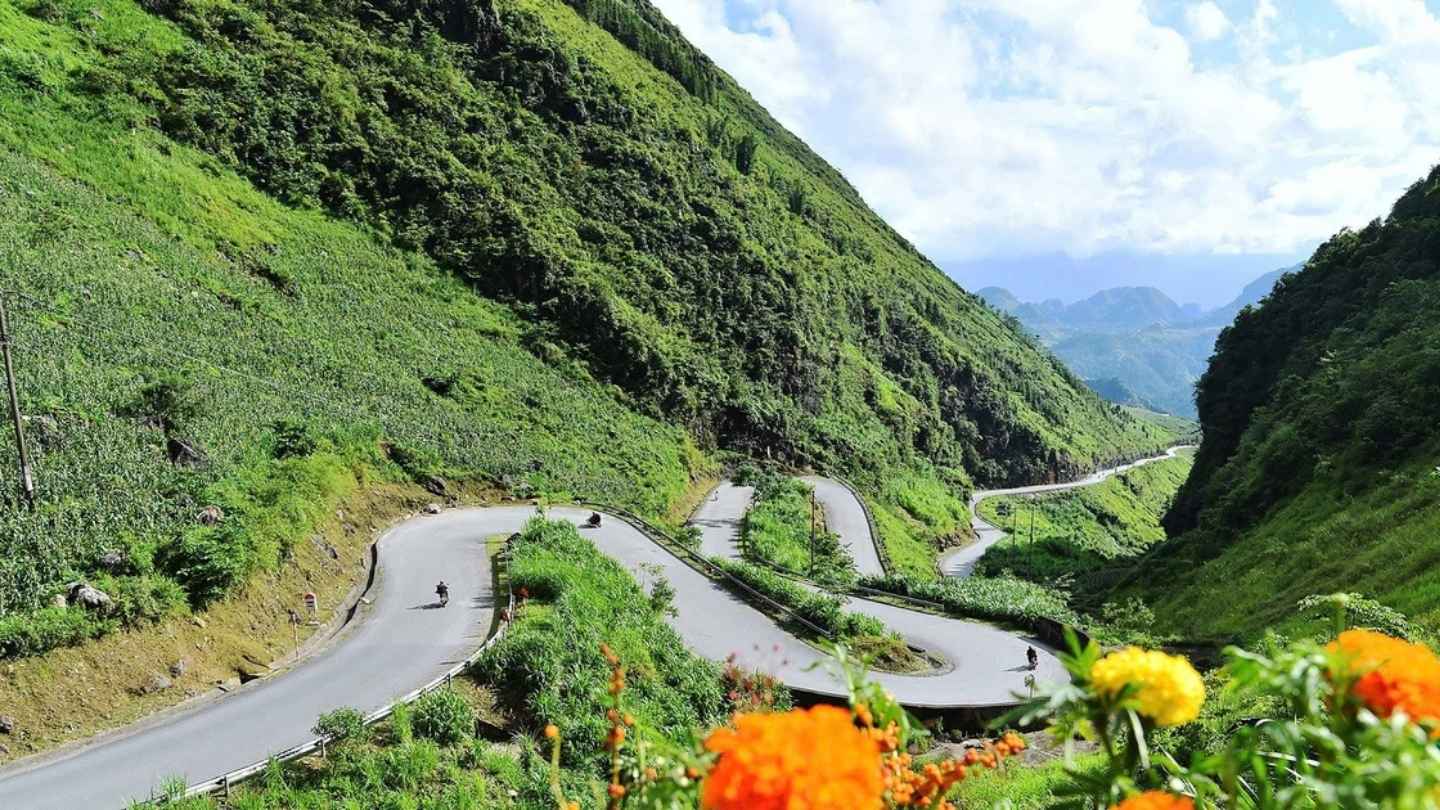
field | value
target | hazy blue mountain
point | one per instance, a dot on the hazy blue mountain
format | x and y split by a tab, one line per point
1133	345
1252	294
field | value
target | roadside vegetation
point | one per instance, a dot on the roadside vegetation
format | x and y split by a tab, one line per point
784	528
1072	536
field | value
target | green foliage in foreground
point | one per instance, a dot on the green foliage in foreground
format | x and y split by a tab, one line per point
395	771
1315	737
1075	532
550	667
1022	787
817	607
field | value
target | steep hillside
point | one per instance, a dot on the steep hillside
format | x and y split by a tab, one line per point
657	221
260	253
1318	466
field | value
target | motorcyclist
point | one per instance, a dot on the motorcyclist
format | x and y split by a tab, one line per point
1032	657
594	520
443	591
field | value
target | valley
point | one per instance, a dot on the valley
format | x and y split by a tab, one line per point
737	500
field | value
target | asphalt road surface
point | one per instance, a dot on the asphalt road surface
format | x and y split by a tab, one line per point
402	640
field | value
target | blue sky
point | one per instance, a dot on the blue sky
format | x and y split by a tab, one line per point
1058	147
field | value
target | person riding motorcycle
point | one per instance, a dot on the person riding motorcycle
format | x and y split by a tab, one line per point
594	520
443	591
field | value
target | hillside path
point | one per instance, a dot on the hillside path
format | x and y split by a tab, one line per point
962	561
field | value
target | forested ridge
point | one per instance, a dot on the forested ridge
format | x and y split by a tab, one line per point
692	251
1318	464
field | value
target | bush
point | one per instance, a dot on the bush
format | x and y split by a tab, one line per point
444	716
998	598
45	629
550	665
341	726
818	608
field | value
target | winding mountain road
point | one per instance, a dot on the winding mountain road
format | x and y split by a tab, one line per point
962	561
400	640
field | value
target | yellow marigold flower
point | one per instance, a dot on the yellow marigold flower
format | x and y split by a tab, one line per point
1156	800
1394	675
813	759
1169	690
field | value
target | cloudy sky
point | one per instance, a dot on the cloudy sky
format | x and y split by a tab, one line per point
1061	146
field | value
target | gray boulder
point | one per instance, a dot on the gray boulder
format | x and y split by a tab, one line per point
89	596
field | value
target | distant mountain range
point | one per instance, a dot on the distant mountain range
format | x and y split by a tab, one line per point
1133	345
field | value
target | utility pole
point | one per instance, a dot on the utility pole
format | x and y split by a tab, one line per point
1032	520
27	482
812	532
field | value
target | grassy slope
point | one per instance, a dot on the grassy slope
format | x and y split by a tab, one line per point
127	247
1316	473
1076	532
142	257
549	165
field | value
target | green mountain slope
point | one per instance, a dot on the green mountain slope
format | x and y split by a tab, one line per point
1318	467
267	252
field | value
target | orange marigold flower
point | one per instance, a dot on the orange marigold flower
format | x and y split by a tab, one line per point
1156	800
813	759
616	791
552	731
1394	675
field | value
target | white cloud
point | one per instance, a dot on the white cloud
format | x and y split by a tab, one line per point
1006	127
1206	21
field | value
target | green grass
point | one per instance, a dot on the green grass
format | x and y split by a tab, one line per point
1074	532
785	528
298	219
1004	599
820	609
1380	542
778	527
393	768
914	515
550	667
1023	787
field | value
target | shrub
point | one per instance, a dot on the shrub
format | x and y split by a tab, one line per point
341	726
444	716
45	629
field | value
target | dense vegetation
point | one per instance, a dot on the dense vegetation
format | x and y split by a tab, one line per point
550	666
1071	536
1318	464
784	529
688	250
259	254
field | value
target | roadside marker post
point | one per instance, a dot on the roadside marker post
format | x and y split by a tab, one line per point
312	604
